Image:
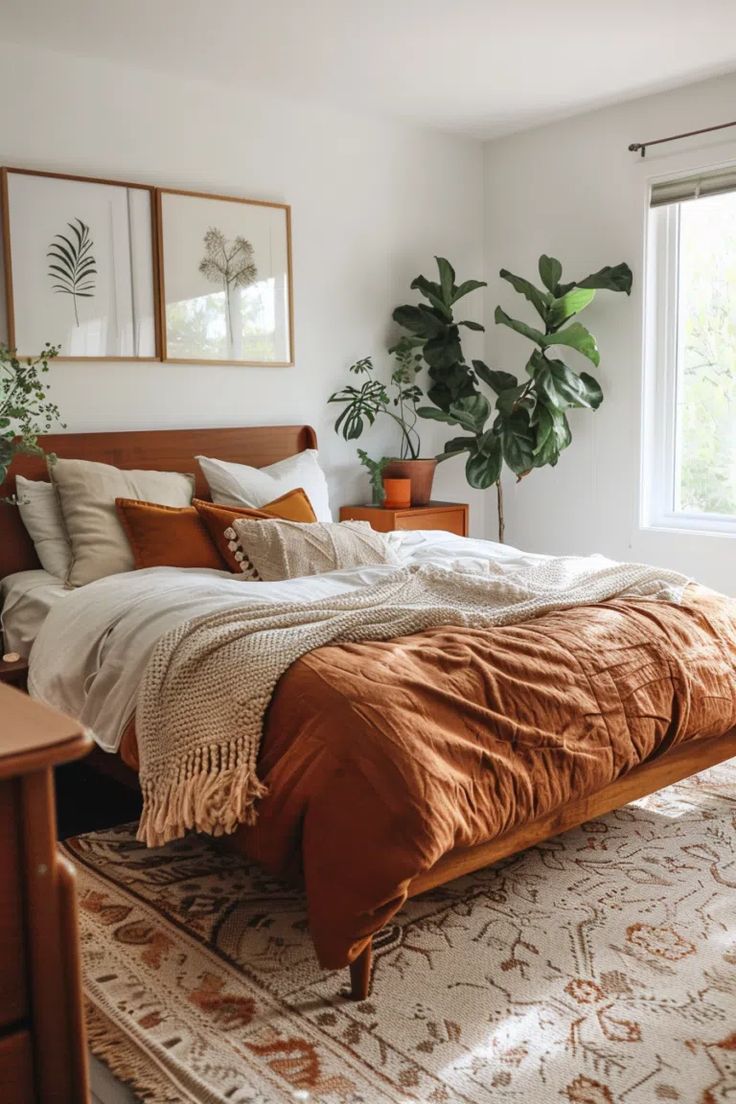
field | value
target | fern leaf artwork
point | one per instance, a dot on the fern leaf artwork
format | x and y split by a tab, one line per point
72	265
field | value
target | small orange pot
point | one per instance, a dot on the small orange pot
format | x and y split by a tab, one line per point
397	494
421	474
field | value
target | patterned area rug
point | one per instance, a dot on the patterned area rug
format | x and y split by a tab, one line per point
596	968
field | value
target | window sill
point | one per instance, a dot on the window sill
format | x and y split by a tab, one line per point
691	527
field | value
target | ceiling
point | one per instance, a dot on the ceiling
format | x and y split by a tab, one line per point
478	67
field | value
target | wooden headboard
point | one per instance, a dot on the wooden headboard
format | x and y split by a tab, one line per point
159	450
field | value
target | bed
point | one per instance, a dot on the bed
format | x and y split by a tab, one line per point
669	672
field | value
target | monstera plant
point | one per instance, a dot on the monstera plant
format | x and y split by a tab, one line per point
524	423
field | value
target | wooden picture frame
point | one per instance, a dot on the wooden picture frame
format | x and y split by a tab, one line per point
140	319
189	238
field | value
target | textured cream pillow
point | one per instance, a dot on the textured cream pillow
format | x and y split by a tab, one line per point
38	506
290	549
87	493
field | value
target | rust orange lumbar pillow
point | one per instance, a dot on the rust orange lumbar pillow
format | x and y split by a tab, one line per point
167	536
292	506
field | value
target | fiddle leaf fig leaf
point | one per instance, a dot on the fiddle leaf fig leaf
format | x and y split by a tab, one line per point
560	387
550	271
447	279
432	292
508	399
450	384
497	380
517	440
609	278
434	414
576	337
538	299
472	325
567	305
455	446
472	412
483	466
444	350
466	287
553	433
421	320
503	319
593	390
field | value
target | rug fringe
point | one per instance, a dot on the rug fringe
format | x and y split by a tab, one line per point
211	800
127	1062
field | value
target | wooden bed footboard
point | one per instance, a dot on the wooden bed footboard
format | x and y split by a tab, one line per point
656	773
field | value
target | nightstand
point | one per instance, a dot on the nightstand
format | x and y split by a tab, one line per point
450	516
14	674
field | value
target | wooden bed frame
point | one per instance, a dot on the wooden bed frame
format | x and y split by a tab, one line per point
174	450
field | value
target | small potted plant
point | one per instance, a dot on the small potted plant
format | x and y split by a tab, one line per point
399	402
25	409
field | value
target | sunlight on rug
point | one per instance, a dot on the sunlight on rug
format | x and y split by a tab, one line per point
595	968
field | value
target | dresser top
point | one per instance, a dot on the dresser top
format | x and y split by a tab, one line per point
33	736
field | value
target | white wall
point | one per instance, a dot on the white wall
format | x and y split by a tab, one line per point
574	191
372	201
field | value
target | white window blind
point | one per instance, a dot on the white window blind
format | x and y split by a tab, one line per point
693	187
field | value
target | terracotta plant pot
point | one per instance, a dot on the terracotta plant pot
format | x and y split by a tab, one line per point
397	494
421	474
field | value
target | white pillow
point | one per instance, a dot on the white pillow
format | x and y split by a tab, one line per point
87	492
40	512
240	485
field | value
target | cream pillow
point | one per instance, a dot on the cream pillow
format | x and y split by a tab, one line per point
87	493
38	506
241	485
290	549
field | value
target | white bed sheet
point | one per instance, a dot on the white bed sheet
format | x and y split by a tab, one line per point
27	599
89	658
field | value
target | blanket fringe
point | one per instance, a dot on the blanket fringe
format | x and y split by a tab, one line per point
211	800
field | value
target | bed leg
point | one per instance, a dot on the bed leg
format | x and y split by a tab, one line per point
360	974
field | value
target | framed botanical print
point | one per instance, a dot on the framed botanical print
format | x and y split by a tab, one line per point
225	279
79	266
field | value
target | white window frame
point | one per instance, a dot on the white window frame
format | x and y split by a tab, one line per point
660	429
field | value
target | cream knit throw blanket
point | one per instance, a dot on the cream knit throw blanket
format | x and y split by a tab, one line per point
209	681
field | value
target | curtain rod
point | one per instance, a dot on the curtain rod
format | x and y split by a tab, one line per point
642	146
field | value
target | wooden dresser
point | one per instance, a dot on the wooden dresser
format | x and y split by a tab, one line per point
43	1054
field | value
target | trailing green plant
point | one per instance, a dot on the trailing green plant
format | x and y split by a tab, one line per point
25	409
375	475
524	425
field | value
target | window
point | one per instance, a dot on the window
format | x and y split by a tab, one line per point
690	443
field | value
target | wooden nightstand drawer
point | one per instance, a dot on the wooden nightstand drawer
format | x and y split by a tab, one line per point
13	991
452	517
452	521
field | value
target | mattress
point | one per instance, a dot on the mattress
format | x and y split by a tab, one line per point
27	599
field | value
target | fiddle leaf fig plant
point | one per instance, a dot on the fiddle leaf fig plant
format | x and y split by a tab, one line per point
524	425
